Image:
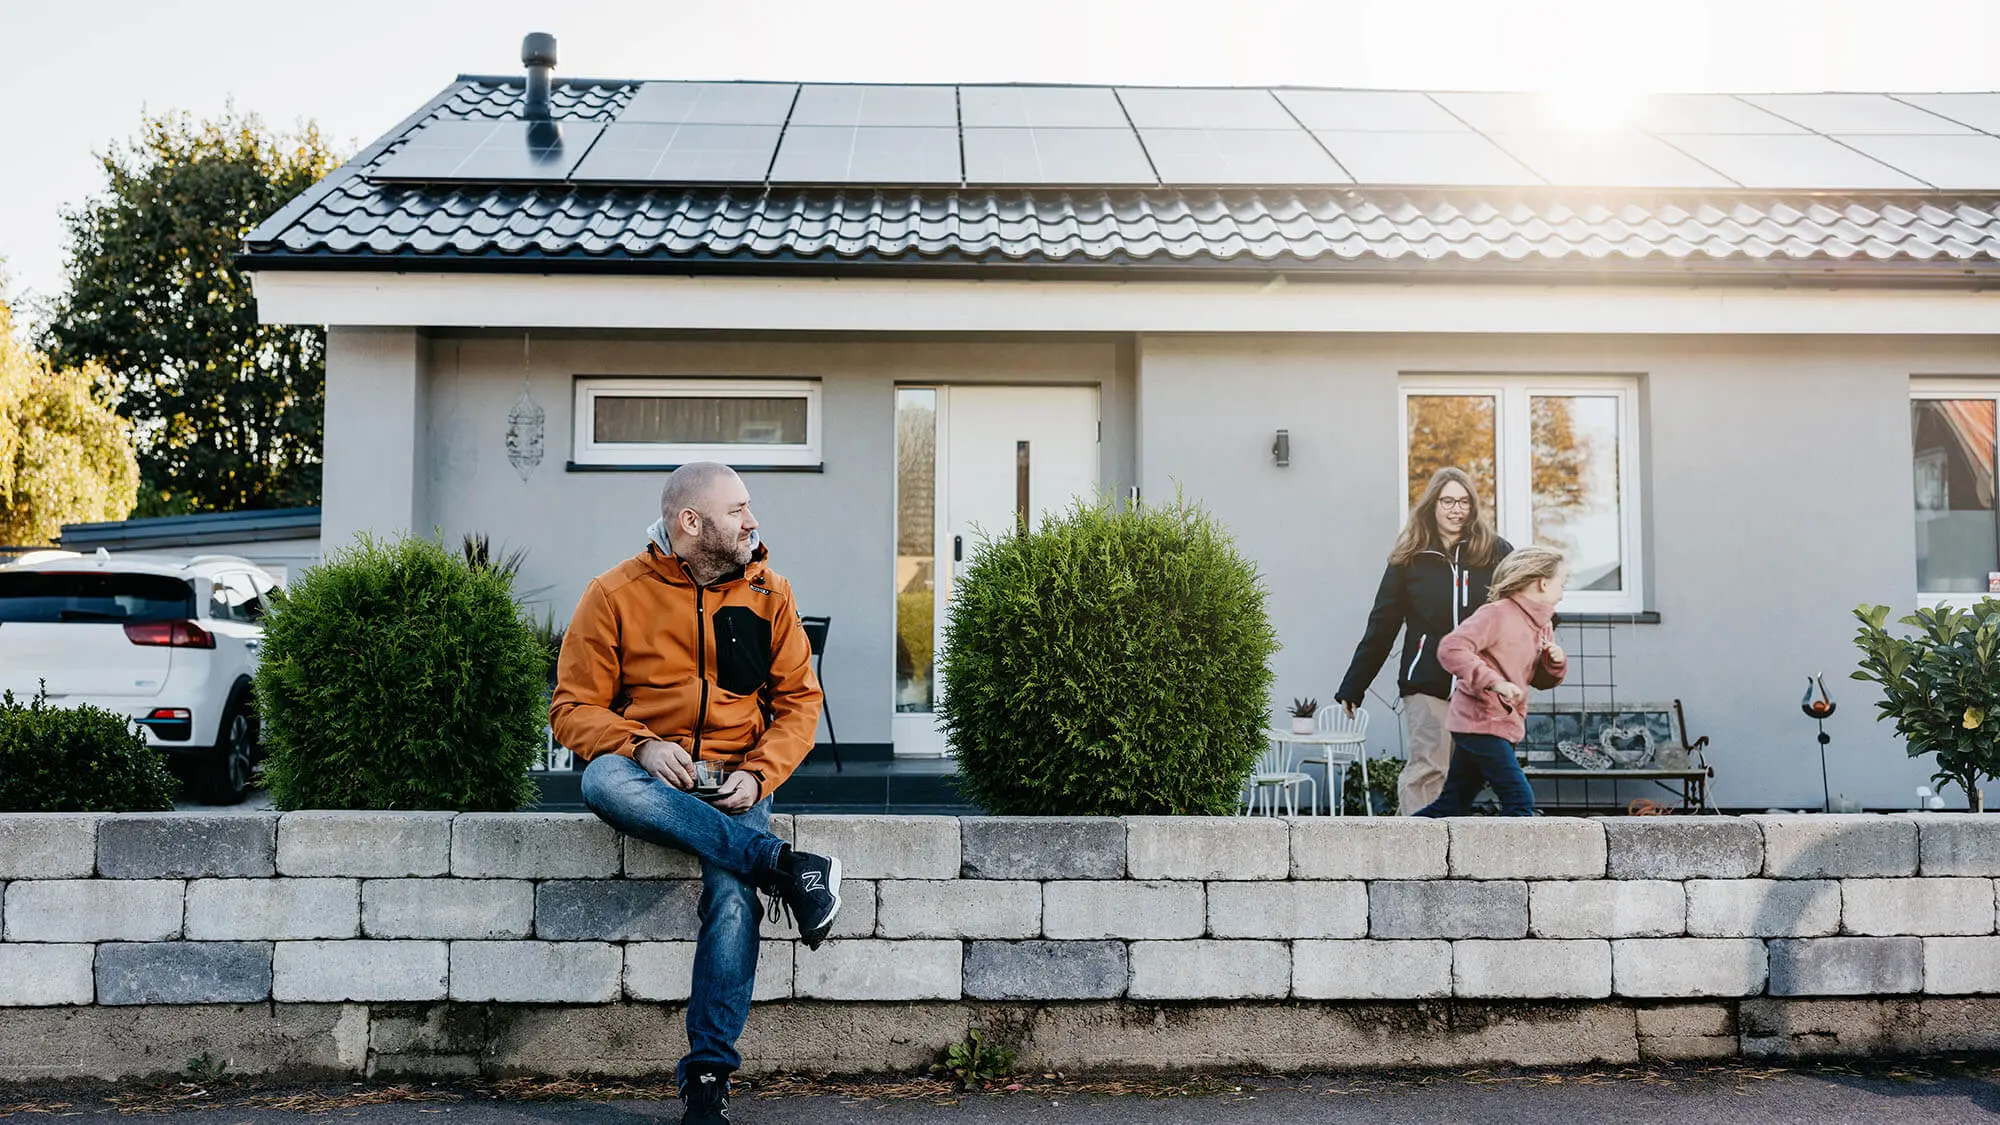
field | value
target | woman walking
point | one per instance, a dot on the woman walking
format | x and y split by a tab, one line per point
1437	575
1504	647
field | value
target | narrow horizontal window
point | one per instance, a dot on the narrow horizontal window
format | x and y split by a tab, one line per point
674	421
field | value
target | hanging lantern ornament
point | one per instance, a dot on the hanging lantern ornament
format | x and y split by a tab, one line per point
525	423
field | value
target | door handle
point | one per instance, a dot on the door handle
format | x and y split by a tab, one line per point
958	548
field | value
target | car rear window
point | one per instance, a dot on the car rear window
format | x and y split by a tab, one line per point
41	596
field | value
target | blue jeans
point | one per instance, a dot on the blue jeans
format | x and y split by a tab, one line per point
1479	760
737	853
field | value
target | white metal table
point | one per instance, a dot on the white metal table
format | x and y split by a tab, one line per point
1285	738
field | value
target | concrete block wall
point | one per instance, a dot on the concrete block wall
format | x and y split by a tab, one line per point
1722	923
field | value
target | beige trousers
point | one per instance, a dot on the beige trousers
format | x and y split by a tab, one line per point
1427	740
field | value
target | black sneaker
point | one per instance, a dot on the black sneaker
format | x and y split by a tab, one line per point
808	886
706	1096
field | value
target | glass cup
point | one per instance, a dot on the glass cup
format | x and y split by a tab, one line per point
708	777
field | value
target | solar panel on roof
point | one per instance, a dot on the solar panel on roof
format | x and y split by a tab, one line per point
1441	159
671	153
1608	160
1802	160
1981	111
1507	113
876	105
828	154
490	150
1854	113
1074	107
1705	113
711	103
1240	156
1055	156
1969	163
1204	109
1370	111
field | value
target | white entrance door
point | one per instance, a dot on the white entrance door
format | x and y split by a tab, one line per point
1002	455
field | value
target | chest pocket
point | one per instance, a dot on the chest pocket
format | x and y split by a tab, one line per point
742	649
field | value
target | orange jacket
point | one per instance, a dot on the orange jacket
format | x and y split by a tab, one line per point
723	670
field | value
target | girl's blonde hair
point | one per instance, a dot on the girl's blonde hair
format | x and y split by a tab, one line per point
1523	569
1420	532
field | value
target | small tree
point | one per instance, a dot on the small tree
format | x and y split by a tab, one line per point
64	457
1109	663
1941	685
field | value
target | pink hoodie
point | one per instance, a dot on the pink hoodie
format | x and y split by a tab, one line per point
1501	641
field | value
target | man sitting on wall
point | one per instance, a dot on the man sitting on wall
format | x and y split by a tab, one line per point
685	681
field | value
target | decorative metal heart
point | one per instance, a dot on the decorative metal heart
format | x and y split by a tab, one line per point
1630	747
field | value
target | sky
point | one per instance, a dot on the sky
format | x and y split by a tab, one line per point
79	73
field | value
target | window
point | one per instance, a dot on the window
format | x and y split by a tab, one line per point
233	597
56	596
1953	449
653	422
1555	461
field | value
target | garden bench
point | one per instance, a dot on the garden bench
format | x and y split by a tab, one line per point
1690	780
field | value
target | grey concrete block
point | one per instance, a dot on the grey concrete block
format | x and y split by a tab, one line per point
1781	1027
1369	847
1949	844
187	846
536	972
601	910
379	845
645	860
273	909
663	971
1933	906
1292	909
34	976
379	971
958	908
533	846
184	972
468	909
1682	847
1836	846
1531	970
863	969
1686	1032
1606	908
1371	970
883	847
1087	909
1526	847
1205	969
1207	847
1042	847
1763	907
49	845
1962	966
1045	970
1426	909
1688	967
154	1043
67	910
1847	966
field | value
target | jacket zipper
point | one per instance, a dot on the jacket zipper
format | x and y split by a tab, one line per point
700	667
1418	658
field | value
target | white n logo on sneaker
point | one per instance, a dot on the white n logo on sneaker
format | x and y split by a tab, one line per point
811	881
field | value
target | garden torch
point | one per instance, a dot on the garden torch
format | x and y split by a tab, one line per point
1820	710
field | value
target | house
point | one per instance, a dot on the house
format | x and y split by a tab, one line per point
1736	353
283	541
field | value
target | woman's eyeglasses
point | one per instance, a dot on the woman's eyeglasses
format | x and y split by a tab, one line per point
1455	503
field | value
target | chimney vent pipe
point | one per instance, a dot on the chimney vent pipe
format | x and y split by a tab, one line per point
538	54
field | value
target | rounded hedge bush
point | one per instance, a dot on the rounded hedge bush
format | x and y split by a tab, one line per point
394	676
1110	663
77	759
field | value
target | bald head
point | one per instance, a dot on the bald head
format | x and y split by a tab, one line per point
693	487
709	525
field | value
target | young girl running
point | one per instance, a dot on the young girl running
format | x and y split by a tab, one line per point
1494	655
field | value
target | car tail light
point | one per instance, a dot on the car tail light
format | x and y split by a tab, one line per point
170	715
170	634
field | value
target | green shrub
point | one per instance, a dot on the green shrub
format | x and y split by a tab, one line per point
1382	786
394	676
77	759
1941	685
1113	662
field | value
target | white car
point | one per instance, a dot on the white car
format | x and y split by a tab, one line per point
172	643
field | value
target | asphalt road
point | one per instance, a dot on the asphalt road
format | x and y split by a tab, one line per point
1933	1094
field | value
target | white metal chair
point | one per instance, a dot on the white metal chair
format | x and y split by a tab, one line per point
1334	722
1275	779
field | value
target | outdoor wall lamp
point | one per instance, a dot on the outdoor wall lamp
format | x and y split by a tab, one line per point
1281	449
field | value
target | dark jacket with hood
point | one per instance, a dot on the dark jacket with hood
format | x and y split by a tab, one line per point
1424	599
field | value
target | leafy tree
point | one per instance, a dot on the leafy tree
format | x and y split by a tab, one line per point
64	457
1941	685
228	411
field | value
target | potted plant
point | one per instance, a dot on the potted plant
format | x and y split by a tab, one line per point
1303	711
1941	684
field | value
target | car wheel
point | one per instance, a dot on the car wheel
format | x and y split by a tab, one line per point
224	779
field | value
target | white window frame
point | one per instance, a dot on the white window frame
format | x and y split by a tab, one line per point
1935	389
589	451
1512	513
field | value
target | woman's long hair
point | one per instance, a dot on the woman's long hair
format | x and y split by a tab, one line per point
1420	533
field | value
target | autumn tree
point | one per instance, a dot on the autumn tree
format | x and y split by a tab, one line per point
1459	430
227	411
64	457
